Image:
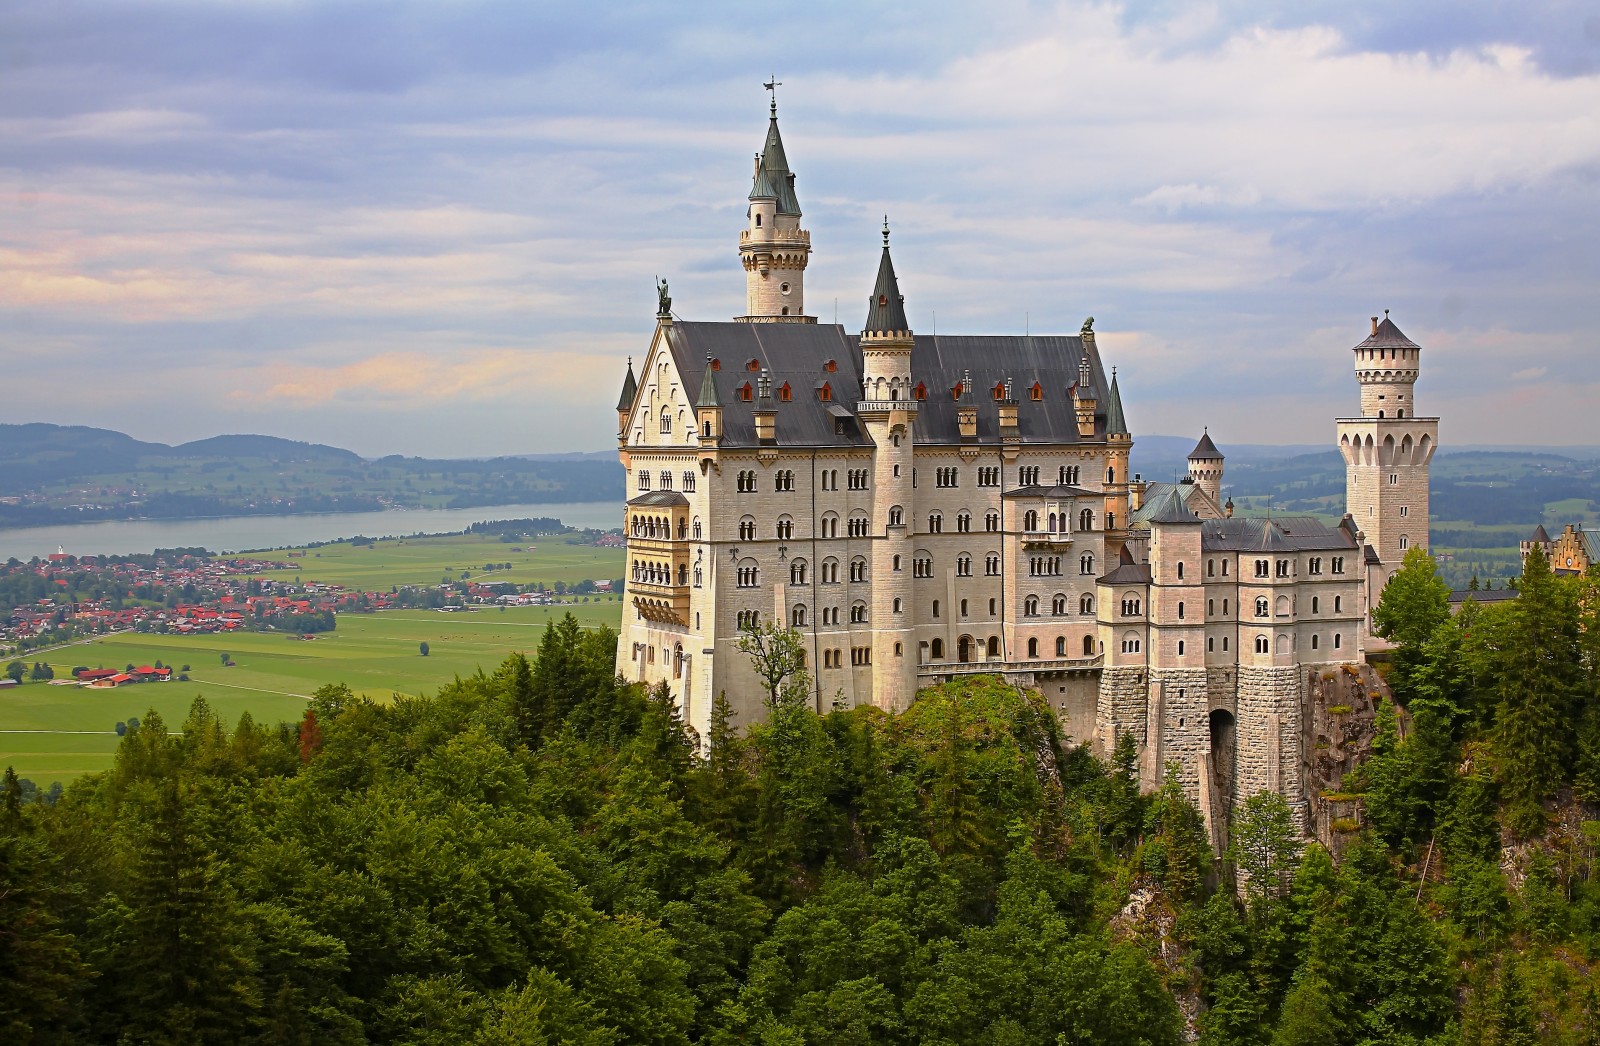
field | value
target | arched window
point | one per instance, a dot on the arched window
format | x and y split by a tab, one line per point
785	528
1086	563
1033	646
747	528
1061	646
897	516
1315	604
1088	646
1262	645
1314	641
1030	520
1180	648
1180	611
897	604
1086	604
1262	610
797	617
1086	520
1058	605
994	646
858	569
858	613
666	420
1030	606
696	528
830	572
797	572
936	650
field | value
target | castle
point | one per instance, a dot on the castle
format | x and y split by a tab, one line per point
921	507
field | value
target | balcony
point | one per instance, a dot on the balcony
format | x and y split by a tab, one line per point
935	670
886	406
1054	539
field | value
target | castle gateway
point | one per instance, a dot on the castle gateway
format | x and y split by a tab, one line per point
921	507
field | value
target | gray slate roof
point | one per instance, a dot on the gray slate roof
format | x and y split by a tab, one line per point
1155	494
1127	572
1540	535
630	389
796	353
1172	508
886	309
659	499
773	181
1115	422
1280	534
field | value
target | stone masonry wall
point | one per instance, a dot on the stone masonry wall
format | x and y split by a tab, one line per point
1269	733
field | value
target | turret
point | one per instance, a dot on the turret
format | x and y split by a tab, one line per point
773	248
1387	365
1119	448
708	415
630	389
1205	468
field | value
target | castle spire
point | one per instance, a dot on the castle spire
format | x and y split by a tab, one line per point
886	309
773	248
630	388
708	389
1116	425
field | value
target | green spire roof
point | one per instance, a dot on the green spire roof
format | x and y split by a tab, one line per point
1173	509
708	389
886	309
1116	425
773	180
630	388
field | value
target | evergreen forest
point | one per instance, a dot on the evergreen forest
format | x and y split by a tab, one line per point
546	854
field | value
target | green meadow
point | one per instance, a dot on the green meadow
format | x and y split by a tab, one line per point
55	733
428	561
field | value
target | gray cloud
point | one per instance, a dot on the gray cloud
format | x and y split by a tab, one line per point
433	229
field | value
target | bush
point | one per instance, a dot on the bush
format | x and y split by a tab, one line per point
1338	709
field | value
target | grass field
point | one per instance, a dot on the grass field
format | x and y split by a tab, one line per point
377	655
428	561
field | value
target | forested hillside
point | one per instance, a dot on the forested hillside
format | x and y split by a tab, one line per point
546	855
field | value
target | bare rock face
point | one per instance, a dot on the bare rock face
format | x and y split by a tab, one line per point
1148	920
1340	717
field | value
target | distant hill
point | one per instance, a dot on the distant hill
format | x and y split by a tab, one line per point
263	447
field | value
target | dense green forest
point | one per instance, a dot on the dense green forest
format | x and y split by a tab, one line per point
547	855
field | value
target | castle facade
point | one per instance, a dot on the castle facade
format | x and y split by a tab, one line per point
921	507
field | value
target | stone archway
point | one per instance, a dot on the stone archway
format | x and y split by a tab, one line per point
964	649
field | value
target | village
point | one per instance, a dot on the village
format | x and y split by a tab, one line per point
64	598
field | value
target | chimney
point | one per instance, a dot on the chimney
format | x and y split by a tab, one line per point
766	416
1374	324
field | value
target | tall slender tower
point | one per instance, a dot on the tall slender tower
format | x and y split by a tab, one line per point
773	247
888	412
1387	450
1205	467
1119	447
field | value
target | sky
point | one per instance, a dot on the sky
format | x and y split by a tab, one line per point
434	228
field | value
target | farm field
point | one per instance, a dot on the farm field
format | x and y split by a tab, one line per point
377	655
428	561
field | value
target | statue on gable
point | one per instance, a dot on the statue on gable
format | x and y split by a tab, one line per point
663	299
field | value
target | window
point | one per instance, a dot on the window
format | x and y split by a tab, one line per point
666	421
1211	568
1130	606
857	479
1262	645
1088	646
1224	644
935	608
797	572
897	605
1061	646
935	523
749	574
922	566
1315	604
1180	570
964	522
1086	563
830	572
785	528
1028	475
1404	542
991	608
1338	564
1033	646
785	393
1030	520
946	476
988	476
1314	565
698	577
1037	392
1394	477
1030	606
746	482
1086	522
897	564
830	479
1058	606
963	565
1224	568
1313	641
1086	604
1211	608
991	522
688	482
747	529
860	655
749	619
1130	642
897	516
644	479
797	617
1180	648
1180	611
936	650
1337	639
1224	608
858	613
1405	510
991	566
858	569
830	525
1283	568
1263	568
1211	644
963	608
1262	609
859	526
745	393
1338	602
783	480
666	480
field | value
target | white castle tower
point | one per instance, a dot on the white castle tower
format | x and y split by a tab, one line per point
773	247
1387	450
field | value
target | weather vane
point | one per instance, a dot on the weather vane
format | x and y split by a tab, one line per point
773	85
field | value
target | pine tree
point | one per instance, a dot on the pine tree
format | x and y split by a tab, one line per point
1414	602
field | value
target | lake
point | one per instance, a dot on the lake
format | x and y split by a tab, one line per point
235	533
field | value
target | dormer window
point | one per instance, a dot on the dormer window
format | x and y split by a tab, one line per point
784	392
825	393
716	364
1000	391
1037	392
921	391
831	366
745	392
883	300
753	365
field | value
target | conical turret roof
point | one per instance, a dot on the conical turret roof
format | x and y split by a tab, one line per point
1540	535
630	388
708	389
773	180
886	309
1387	336
1205	448
1116	425
1173	509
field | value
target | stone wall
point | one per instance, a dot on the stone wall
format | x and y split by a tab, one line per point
1269	732
1121	706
